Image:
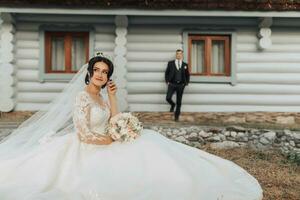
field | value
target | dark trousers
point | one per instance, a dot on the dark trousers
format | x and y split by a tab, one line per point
178	88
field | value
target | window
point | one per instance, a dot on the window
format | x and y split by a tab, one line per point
65	52
209	55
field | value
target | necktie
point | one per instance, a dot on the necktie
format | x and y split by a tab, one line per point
178	64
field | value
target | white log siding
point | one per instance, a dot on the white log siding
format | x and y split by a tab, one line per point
33	94
7	63
267	80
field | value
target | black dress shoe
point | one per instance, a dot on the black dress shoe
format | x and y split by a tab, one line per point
172	108
176	118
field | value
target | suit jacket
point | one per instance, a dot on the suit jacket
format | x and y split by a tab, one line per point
171	69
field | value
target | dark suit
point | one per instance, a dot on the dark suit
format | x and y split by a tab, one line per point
177	80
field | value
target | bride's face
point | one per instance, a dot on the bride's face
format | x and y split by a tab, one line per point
99	77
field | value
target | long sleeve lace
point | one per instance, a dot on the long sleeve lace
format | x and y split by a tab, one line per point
81	118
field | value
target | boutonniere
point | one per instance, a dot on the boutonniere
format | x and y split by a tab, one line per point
185	67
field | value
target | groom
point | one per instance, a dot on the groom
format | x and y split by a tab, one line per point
177	77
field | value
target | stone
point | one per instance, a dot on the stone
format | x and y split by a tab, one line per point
181	139
292	143
269	136
214	139
236	129
224	145
240	134
233	134
204	134
196	144
296	136
264	141
227	133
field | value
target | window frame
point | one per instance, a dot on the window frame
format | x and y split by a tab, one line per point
230	66
60	76
68	35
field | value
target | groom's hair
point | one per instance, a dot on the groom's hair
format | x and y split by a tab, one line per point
91	64
179	50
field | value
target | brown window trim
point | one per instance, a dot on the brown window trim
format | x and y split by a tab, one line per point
207	53
68	49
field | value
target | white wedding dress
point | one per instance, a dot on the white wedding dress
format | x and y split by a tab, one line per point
152	167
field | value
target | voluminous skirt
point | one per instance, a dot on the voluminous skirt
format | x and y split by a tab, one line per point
152	167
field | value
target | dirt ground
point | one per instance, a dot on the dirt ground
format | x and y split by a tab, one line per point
279	177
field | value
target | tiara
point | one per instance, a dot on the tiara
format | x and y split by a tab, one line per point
100	53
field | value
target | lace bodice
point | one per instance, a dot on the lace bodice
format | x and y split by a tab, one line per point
90	119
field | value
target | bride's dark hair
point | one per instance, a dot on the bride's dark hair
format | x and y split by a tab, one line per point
92	62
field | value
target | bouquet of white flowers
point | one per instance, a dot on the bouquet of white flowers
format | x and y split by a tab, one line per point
124	127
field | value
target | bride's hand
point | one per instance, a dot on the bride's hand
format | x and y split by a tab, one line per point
111	88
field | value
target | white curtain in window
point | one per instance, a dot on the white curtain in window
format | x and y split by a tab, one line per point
218	57
78	53
58	54
197	57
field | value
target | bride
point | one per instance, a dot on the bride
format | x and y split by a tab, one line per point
50	156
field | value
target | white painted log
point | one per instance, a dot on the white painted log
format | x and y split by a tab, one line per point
28	75
151	29
154	38
121	31
6	105
6	80
264	32
246	38
265	43
27	44
7	68
269	78
105	46
104	37
28	64
265	22
30	106
28	26
7	43
150	56
120	41
7	57
285	39
120	50
121	21
36	97
206	88
220	99
6	35
146	66
28	53
27	35
152	47
268	57
246	47
9	91
148	77
104	28
213	108
268	67
40	87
